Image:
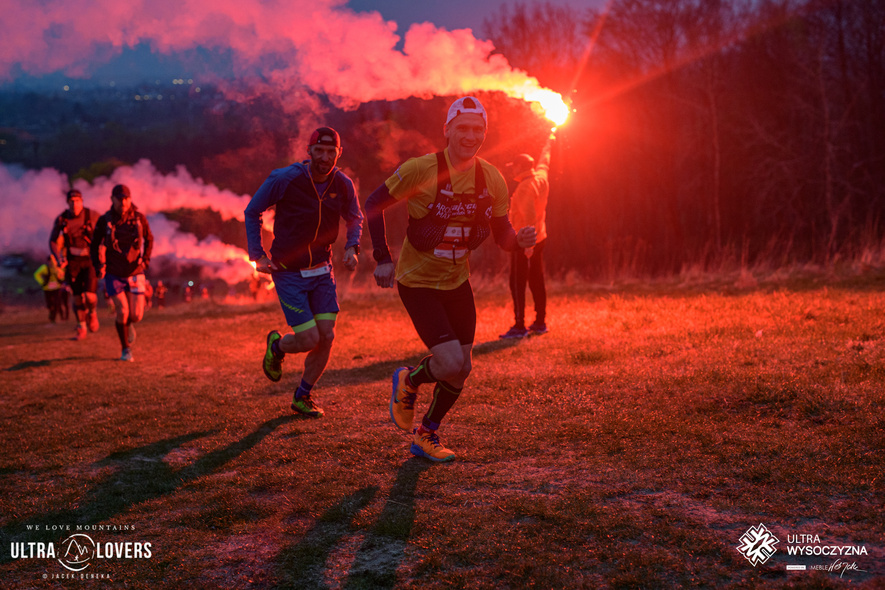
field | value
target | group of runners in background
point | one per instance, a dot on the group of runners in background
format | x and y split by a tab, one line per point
114	247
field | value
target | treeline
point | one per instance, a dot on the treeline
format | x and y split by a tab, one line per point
710	131
86	132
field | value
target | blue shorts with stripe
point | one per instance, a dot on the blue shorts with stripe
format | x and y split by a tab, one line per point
115	285
306	299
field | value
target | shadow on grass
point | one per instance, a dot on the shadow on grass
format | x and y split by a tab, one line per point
28	365
46	363
301	565
382	550
141	475
495	345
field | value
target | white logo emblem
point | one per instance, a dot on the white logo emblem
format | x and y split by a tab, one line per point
757	544
78	551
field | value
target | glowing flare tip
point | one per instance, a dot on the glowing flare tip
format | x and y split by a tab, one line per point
551	103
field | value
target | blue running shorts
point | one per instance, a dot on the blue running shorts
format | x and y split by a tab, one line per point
306	299
115	285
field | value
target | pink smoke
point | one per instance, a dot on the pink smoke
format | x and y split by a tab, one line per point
154	192
32	199
296	49
284	45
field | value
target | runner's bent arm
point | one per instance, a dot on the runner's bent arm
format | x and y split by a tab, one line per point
353	219
98	234
378	201
508	239
56	242
265	197
148	243
504	234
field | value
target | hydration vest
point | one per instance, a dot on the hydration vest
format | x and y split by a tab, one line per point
127	242
84	236
433	232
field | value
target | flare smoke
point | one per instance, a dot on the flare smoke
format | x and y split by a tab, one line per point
286	45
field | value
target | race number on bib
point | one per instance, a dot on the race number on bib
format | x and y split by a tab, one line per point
136	284
454	243
315	271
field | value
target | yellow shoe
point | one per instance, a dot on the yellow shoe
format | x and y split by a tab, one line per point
304	405
402	400
426	444
272	363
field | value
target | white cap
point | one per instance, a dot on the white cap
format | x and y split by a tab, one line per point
464	106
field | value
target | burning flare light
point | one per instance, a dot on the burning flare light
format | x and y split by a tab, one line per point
551	103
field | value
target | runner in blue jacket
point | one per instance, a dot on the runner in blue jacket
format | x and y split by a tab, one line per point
311	198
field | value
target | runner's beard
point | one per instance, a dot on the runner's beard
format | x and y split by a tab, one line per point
321	168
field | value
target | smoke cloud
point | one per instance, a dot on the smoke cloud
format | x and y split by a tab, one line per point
31	200
296	49
286	45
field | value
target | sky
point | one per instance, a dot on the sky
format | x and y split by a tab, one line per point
291	50
451	14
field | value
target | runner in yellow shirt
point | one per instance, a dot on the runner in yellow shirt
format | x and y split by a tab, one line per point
51	279
455	200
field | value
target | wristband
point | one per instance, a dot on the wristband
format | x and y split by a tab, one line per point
381	256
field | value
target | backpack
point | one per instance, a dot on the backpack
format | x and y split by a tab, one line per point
85	231
429	231
134	251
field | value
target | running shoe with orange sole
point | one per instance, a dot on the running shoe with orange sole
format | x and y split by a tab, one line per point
402	400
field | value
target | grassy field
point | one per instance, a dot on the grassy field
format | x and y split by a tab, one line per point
631	447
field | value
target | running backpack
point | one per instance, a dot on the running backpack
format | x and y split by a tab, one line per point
427	232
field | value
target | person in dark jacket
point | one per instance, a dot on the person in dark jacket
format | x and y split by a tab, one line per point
69	244
311	198
121	252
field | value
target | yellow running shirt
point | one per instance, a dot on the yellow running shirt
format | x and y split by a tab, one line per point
416	180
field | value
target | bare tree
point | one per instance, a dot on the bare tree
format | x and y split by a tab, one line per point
709	126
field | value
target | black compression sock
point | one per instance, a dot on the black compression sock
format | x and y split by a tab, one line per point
123	334
444	397
421	374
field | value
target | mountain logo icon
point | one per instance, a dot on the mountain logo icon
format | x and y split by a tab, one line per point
77	551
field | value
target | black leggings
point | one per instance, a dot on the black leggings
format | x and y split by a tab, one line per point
441	316
531	270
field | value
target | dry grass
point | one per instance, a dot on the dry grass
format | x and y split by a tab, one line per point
629	448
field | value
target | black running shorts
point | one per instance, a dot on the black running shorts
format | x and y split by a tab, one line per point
80	275
441	316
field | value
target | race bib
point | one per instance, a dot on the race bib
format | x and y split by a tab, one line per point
316	271
136	284
454	243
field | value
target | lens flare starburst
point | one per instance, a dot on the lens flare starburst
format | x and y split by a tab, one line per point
551	103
